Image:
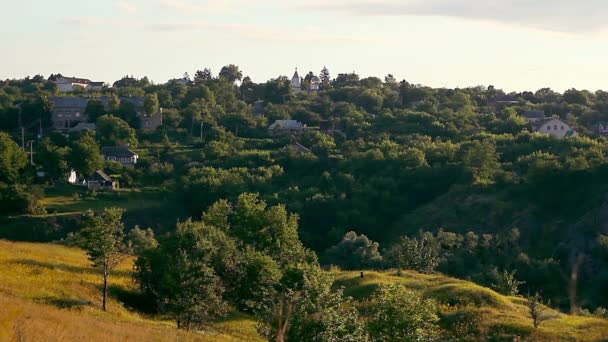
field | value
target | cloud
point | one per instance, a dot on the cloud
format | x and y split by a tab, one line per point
554	15
190	6
265	32
83	21
125	6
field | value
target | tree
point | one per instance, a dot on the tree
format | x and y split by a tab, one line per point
370	100
231	73
346	80
258	276
481	160
203	75
271	230
181	274
142	240
113	131
507	283
151	103
103	240
419	253
537	310
396	314
325	78
354	252
94	110
128	112
12	159
84	155
303	307
52	158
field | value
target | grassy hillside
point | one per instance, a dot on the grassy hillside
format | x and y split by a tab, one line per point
498	317
50	293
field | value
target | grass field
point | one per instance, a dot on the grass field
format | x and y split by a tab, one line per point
50	293
502	317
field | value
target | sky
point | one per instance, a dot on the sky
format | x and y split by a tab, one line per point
514	45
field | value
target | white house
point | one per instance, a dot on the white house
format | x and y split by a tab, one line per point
121	154
555	127
315	84
68	84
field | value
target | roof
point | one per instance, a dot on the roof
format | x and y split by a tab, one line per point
534	114
81	126
73	80
538	124
315	79
103	175
287	124
70	102
136	100
117	151
77	102
296	75
300	148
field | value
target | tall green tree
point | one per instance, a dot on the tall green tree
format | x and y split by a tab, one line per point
354	252
103	239
84	155
12	159
396	314
113	131
231	73
94	110
181	274
151	103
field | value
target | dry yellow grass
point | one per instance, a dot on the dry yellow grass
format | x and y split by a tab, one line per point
50	293
502	316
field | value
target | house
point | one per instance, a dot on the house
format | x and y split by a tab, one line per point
81	126
121	154
68	84
150	122
101	181
315	84
534	115
281	127
72	177
68	111
601	128
555	127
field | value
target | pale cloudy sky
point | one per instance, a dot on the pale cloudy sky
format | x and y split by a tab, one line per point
512	44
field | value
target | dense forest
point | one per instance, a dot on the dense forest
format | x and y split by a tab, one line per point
386	175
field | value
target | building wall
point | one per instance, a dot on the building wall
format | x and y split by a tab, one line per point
555	128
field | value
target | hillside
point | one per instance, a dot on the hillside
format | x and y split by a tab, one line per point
496	317
49	292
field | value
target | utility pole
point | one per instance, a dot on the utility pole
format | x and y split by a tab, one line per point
22	138
31	142
202	124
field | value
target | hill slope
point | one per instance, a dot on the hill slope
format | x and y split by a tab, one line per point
50	293
496	317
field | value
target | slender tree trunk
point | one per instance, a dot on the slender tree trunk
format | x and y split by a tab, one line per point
105	287
573	283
